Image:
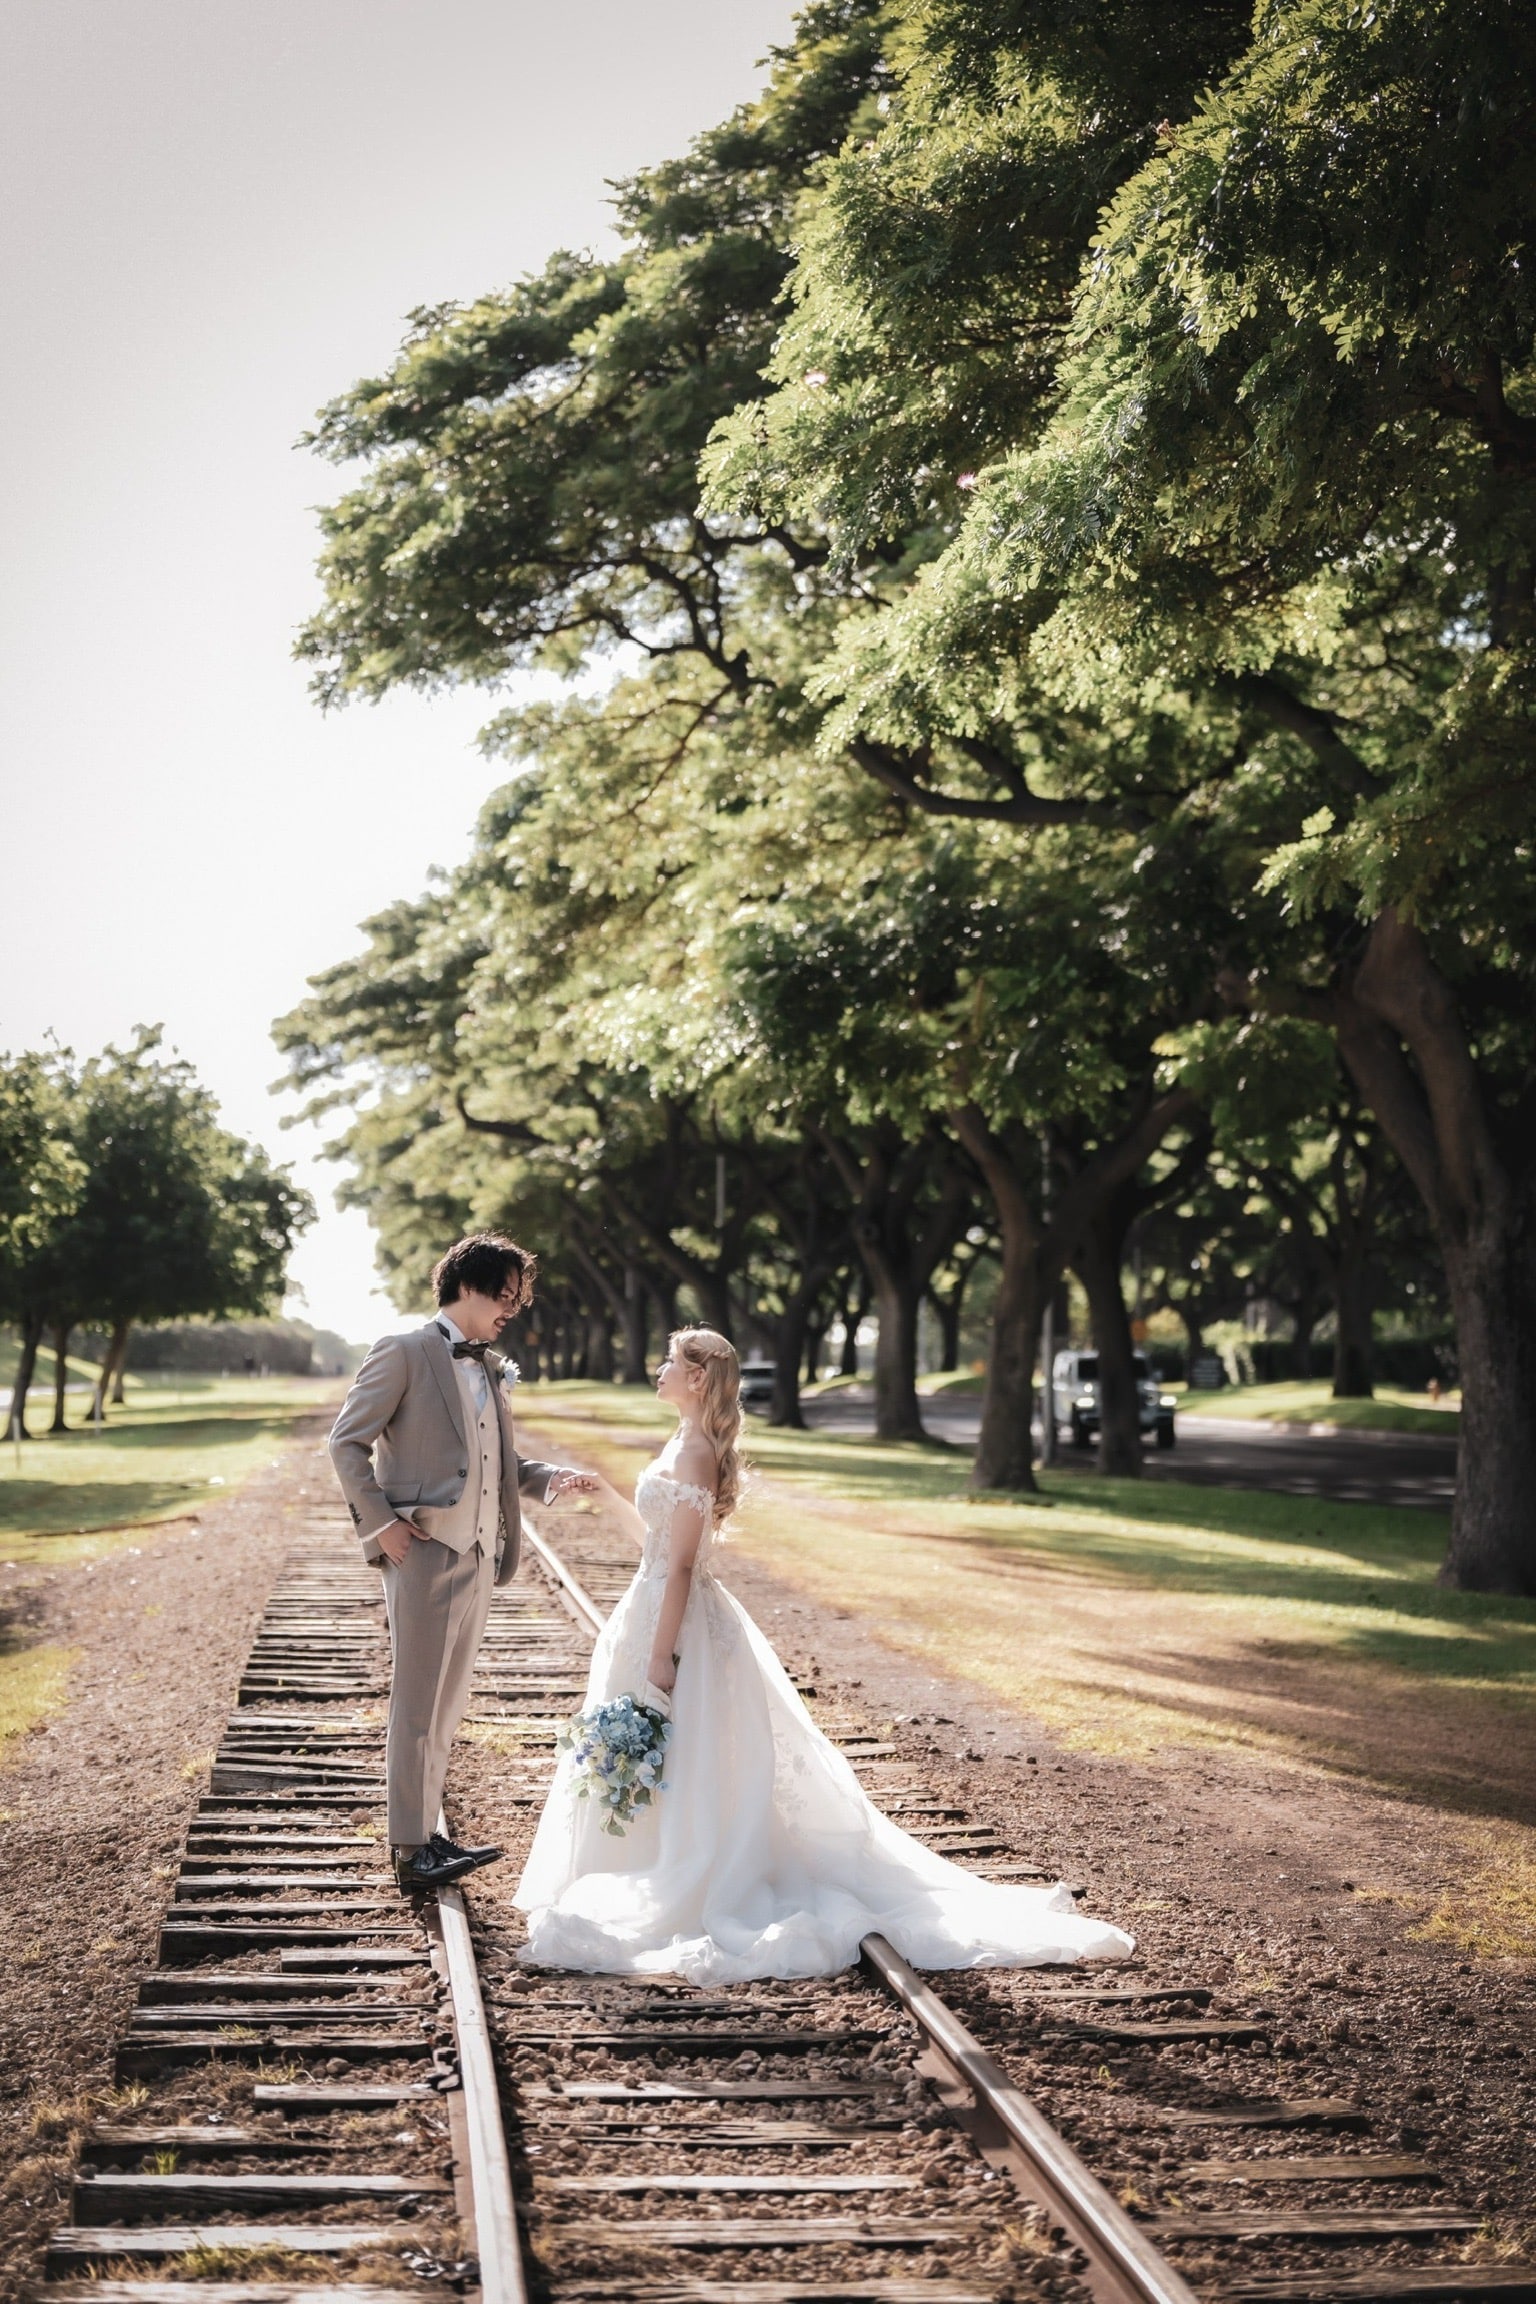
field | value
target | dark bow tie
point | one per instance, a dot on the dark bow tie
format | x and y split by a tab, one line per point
464	1351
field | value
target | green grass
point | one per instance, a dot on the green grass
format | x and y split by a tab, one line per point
1313	1403
1366	1573
32	1684
173	1448
1134	1616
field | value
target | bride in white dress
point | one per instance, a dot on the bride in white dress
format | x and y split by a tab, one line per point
761	1855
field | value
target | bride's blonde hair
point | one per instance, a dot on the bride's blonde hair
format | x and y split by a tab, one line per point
720	1418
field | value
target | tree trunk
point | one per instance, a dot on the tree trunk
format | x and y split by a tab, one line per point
947	1312
1481	1198
790	1331
1305	1314
899	1269
900	1243
109	1384
1005	1448
635	1370
1492	1280
1034	1256
1352	1341
897	1415
855	1311
527	1347
62	1331
599	1354
1098	1267
26	1366
663	1293
1029	1271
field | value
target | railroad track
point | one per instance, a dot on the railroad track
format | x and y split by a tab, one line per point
862	2138
306	2104
307	2109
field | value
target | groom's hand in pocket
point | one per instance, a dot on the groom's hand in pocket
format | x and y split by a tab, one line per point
395	1541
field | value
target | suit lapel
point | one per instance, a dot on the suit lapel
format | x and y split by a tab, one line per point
440	1360
504	1412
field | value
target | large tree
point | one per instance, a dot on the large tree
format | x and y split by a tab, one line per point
944	1003
169	1216
41	1176
1276	477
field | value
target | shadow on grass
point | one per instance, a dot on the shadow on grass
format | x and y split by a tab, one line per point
75	1503
1363	1574
1361	1577
1366	1571
38	1509
1450	1745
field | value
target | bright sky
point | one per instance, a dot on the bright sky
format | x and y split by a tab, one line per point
215	217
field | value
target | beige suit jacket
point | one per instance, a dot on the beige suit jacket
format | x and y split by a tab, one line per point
400	1442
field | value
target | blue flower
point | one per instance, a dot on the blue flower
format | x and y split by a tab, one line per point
617	1755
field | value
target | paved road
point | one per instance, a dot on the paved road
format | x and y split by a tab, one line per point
1348	1467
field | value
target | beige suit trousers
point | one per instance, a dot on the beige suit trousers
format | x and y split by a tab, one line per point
437	1602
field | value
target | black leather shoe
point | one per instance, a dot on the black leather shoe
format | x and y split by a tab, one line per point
430	1867
442	1847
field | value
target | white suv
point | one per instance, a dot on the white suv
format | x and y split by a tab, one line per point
1075	1398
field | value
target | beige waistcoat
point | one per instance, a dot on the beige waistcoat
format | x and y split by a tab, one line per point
475	1517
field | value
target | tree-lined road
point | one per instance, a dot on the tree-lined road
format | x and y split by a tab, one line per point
1222	1452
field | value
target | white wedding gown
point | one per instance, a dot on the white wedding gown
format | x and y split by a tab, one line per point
761	1856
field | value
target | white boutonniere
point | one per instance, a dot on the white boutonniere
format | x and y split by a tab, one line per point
510	1372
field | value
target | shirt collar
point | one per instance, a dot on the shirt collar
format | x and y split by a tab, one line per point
451	1328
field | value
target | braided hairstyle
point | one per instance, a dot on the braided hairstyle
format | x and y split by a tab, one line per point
720	1418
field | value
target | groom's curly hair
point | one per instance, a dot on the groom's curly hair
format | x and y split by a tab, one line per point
486	1262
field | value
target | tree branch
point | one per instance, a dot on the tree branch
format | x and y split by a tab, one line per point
1511	436
898	772
1319	730
511	1131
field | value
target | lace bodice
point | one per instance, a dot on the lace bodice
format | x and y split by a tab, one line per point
658	1494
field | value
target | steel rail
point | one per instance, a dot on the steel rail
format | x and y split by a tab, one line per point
584	1607
1010	2131
313	1768
1015	2137
497	2245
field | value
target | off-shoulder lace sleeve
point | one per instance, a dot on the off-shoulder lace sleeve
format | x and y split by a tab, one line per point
688	1494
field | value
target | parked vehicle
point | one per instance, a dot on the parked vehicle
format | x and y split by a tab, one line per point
1075	1398
757	1382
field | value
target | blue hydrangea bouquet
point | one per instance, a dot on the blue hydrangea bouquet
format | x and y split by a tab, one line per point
618	1751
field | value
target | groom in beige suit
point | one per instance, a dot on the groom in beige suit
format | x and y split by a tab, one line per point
424	1452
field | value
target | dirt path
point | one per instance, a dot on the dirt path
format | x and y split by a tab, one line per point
94	1803
1349	1911
1304	1887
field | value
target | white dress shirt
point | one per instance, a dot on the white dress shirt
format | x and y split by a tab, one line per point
479	1381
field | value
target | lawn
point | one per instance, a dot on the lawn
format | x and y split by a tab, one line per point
1138	1618
1313	1403
173	1447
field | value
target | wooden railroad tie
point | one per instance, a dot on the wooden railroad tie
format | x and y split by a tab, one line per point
770	2232
1339	2167
1297	2224
714	2181
711	2091
100	2196
1270	2112
1395	2284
